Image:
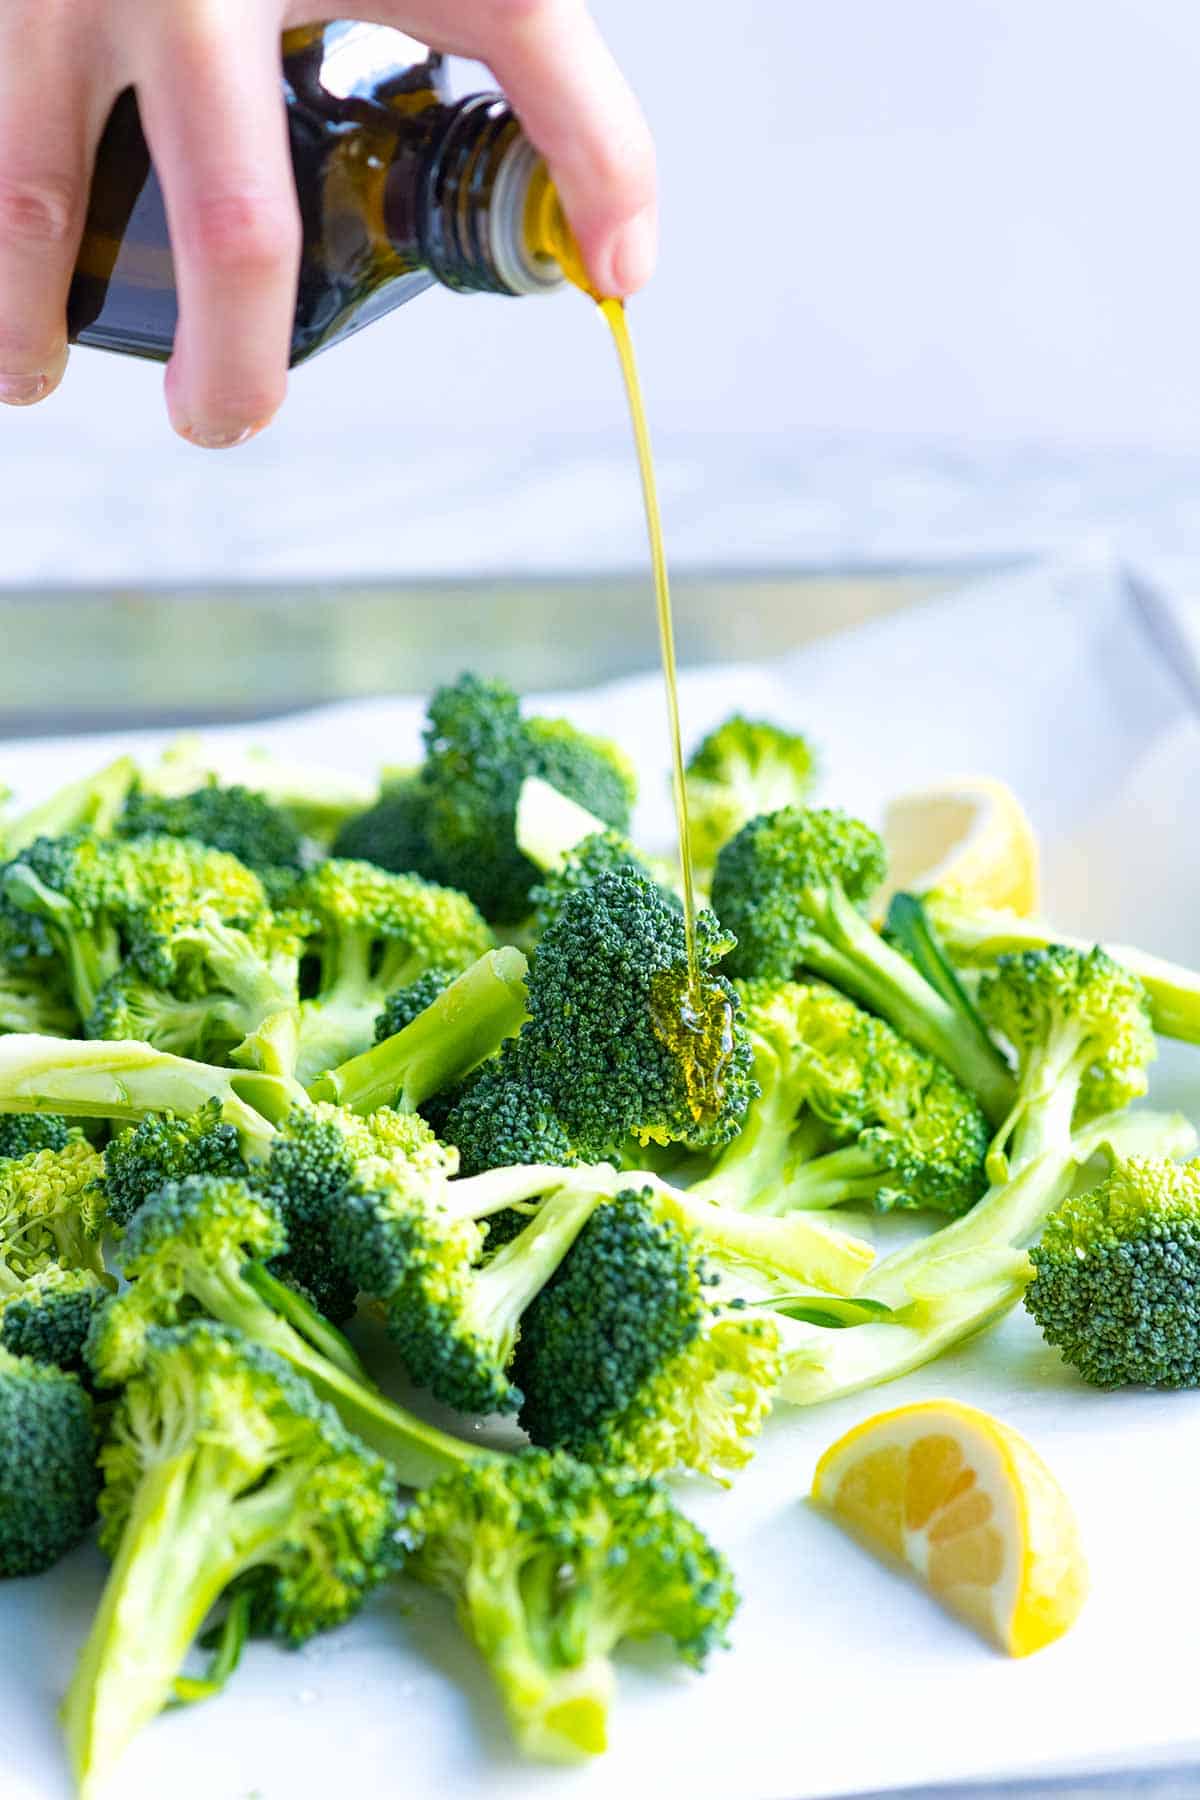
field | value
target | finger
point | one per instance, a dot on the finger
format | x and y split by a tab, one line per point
215	123
53	103
580	112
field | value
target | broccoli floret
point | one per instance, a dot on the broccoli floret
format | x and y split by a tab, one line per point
52	1210
903	1132
197	1248
48	1315
392	833
234	819
443	1030
162	1148
375	932
94	802
602	853
742	769
502	1117
47	1464
1080	1027
479	751
60	902
1115	1277
627	1357
220	1460
550	1565
455	1323
21	1134
616	1040
976	937
317	800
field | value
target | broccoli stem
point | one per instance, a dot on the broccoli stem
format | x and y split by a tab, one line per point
851	1173
508	1285
478	1196
466	1024
799	1247
851	955
549	825
1040	1117
125	1080
177	1555
304	1318
92	954
754	1171
97	801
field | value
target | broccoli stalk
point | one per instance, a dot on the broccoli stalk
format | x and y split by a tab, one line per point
976	939
789	887
550	1565
463	1026
95	801
220	1464
200	1244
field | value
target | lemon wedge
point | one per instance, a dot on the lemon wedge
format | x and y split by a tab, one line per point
969	837
964	1503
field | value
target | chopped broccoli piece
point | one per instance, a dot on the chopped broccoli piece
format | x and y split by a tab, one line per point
196	1248
977	938
615	1039
790	887
742	769
501	1117
375	932
162	1148
60	900
629	1358
48	1315
318	800
1080	1027
219	1461
479	751
52	1210
1115	1277
23	1133
550	1565
233	819
392	833
47	1464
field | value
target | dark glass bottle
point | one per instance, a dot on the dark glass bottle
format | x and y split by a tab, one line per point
399	187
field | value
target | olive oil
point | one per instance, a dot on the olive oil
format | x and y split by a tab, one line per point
399	187
692	1016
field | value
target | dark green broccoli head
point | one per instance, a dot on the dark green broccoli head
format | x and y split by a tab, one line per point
550	1565
501	1117
1073	1015
49	1315
163	1148
408	1003
234	819
392	833
615	1040
1117	1277
628	1358
602	853
23	1133
743	769
776	879
478	752
47	1464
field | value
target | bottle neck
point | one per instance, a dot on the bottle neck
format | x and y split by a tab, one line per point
474	205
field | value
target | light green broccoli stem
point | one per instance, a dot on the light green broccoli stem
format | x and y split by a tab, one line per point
851	955
549	826
465	1024
338	1023
834	1179
186	1539
1040	1117
755	1172
479	1196
124	1080
979	939
96	801
265	993
798	1247
506	1287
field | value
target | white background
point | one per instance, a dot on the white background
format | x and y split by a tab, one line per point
943	253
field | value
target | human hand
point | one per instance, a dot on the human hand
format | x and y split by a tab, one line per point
207	77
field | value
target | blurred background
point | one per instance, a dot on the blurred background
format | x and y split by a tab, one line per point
927	298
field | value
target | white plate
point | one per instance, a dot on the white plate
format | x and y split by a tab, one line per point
841	1677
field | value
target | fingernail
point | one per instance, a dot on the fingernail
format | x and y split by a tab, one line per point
633	256
205	439
23	390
